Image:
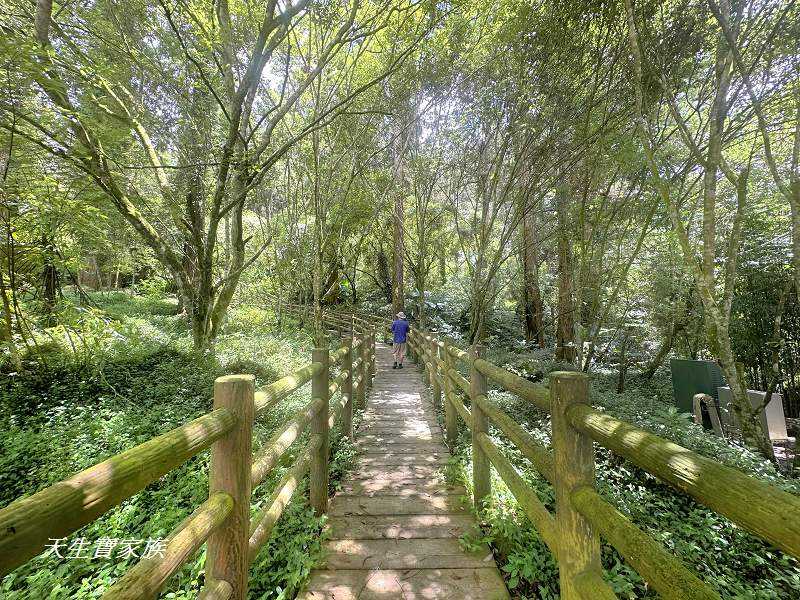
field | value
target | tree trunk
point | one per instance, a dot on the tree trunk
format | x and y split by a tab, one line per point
330	289
98	273
384	276
623	361
7	329
663	351
398	292
422	266
421	315
565	334
750	424
795	210
398	215
531	294
50	281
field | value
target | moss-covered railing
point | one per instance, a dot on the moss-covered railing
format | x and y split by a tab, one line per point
222	522
582	515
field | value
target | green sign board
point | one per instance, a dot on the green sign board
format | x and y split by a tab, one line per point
690	377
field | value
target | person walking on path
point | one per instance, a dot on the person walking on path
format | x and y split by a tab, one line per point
400	331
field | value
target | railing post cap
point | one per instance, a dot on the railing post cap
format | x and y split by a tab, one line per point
568	375
235	378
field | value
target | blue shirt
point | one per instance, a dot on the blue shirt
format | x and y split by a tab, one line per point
400	330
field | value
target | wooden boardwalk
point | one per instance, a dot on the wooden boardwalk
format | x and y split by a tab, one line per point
395	525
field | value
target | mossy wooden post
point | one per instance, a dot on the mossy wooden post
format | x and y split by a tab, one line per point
573	456
437	388
372	337
424	348
450	415
480	424
364	369
347	389
359	392
368	357
319	426
226	557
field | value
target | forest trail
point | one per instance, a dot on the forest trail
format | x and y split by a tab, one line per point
394	526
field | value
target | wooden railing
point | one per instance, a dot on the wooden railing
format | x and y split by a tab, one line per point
581	514
223	521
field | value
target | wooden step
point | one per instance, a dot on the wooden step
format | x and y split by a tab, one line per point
384	487
399	429
399	423
414	504
395	458
397	438
400	526
371	447
423	584
397	473
404	554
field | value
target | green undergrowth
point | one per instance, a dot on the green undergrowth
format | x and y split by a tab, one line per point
71	409
737	564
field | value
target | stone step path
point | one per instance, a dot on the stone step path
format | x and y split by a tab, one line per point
395	524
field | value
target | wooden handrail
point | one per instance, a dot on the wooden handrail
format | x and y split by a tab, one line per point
149	575
27	524
533	392
527	498
267	396
662	569
215	589
461	381
262	524
763	509
271	452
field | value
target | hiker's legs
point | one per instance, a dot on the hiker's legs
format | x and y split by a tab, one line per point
401	353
